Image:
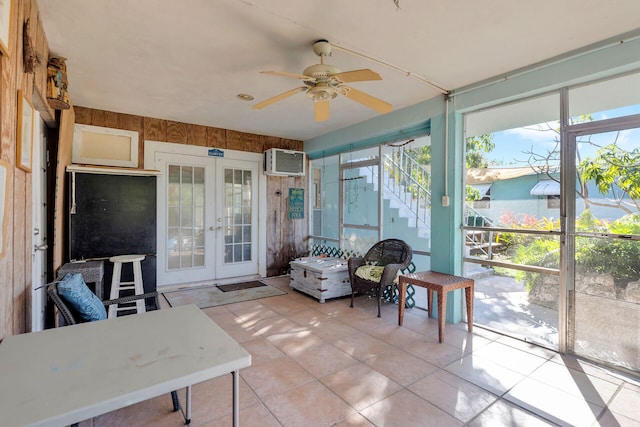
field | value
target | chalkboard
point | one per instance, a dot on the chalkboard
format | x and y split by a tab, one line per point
114	215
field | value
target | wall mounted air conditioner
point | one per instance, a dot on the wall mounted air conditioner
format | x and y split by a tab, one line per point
284	162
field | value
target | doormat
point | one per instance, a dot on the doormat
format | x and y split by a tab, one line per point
241	286
212	296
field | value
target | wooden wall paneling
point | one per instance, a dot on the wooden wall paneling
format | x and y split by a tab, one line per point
7	152
176	132
197	135
252	142
286	238
107	119
155	129
83	115
234	140
216	137
22	255
274	226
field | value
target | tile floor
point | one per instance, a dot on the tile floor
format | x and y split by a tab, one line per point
331	365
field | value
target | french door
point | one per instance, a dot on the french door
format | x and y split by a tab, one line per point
603	241
207	218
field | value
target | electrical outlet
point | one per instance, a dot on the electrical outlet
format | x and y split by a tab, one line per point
445	201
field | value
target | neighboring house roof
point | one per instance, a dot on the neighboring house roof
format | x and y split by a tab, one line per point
546	187
489	175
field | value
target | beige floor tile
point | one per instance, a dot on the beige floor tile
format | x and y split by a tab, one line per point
505	414
611	419
295	341
526	346
460	338
155	412
214	398
323	359
308	317
262	350
553	404
588	368
483	373
400	366
271	326
435	353
332	329
396	335
319	364
579	384
219	310
311	404
253	416
510	357
275	377
362	346
336	308
240	333
452	394
407	410
353	420
418	320
360	386
627	402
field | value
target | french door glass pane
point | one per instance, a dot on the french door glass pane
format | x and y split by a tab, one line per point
607	300
237	215
186	211
513	183
607	273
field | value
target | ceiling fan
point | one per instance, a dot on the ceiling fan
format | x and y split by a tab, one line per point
323	82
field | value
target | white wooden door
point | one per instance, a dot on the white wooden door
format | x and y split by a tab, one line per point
207	218
39	225
236	218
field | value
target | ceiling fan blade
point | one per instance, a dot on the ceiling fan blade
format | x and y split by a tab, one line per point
285	74
277	98
367	100
358	76
321	110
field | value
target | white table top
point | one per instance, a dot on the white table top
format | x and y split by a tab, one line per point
321	264
60	376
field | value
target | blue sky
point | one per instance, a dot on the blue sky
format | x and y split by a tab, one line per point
511	145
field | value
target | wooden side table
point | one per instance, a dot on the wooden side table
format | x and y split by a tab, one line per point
92	272
442	284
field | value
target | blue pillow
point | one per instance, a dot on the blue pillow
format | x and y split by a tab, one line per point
73	289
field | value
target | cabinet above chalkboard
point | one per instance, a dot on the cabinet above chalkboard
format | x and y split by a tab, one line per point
95	145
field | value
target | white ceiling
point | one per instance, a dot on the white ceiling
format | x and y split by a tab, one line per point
187	60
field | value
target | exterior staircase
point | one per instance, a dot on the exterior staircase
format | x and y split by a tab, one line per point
407	200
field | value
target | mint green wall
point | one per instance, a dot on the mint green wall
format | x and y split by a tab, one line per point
446	235
608	58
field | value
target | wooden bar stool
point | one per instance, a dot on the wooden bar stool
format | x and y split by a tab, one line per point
118	286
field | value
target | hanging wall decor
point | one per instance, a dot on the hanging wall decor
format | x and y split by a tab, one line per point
57	83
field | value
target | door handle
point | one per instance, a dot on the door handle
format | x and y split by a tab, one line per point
43	247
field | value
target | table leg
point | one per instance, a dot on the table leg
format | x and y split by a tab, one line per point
442	313
468	293
429	302
236	398
402	289
187	416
